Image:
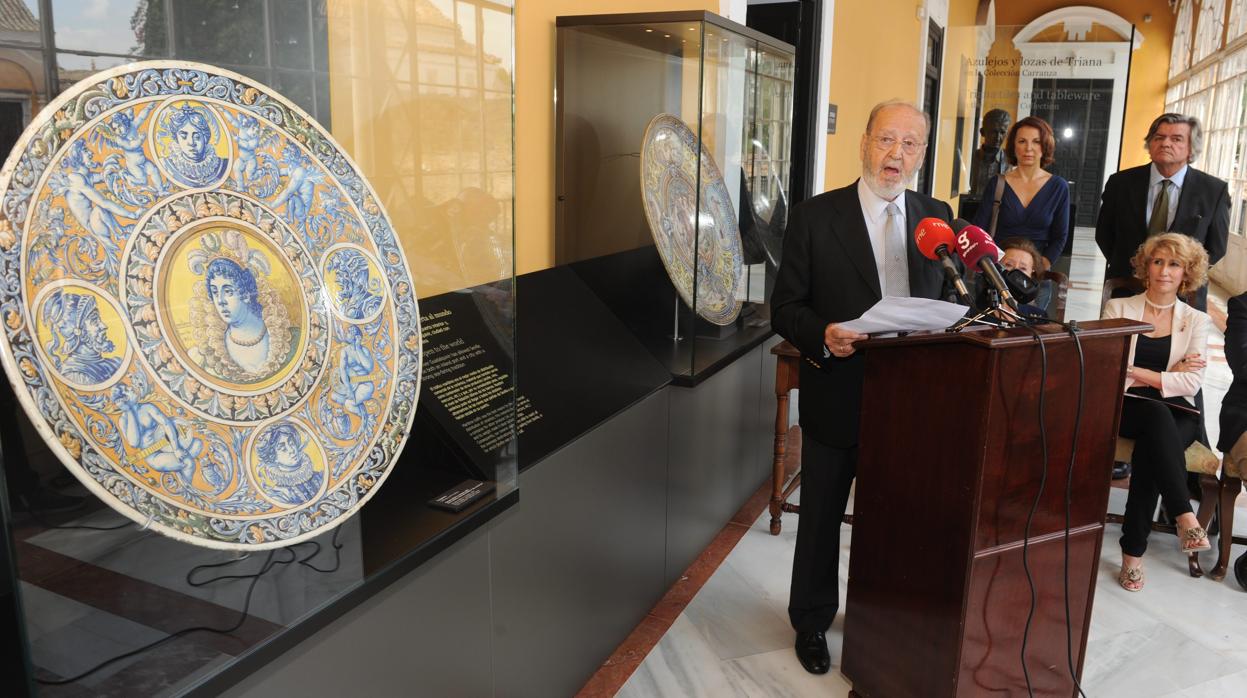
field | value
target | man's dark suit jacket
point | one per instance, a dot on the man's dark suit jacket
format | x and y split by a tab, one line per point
1234	404
1203	213
828	274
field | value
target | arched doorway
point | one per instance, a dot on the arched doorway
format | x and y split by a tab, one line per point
1074	69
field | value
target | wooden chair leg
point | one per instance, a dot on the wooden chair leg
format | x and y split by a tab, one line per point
1208	487
1229	489
777	466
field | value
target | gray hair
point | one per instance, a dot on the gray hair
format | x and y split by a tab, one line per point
926	119
1197	132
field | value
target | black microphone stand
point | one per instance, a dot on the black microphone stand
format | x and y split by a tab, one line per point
996	314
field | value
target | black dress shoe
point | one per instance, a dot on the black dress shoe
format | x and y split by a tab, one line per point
1121	471
812	651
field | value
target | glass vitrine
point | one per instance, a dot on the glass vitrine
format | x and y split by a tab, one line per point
418	96
673	151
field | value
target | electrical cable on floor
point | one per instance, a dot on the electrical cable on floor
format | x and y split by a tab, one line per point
270	562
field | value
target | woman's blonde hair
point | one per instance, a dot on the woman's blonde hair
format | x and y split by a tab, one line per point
1184	248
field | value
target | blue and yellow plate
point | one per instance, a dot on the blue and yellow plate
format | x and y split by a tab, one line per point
207	312
692	219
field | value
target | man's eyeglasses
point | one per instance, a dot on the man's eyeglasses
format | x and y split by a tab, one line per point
887	143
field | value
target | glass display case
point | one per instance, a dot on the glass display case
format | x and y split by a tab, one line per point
674	136
419	95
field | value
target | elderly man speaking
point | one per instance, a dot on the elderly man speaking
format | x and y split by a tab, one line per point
843	251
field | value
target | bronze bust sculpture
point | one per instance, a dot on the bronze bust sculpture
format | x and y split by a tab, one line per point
989	159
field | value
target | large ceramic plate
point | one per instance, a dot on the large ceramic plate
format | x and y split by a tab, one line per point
208	315
669	188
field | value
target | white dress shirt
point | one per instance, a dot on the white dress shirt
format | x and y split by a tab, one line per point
874	210
1153	191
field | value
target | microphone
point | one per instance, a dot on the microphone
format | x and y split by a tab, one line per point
977	249
935	241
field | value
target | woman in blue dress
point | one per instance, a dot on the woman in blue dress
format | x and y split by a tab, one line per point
1034	203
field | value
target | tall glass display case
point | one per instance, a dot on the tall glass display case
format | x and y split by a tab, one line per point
408	106
672	168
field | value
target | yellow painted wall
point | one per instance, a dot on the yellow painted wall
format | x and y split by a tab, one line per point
534	114
874	57
421	100
1149	66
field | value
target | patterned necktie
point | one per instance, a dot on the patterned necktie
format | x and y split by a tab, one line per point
1160	211
895	266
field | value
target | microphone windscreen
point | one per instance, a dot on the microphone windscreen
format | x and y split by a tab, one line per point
973	244
960	224
930	234
1021	285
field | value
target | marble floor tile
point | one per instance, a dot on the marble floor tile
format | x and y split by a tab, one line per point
759	554
735	618
681	665
1153	661
778	675
1221	687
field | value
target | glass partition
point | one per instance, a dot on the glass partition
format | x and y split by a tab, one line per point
674	144
419	94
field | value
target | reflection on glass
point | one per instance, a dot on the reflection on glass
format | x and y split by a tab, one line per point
290	37
70	67
422	100
19	23
229	32
134	27
22	92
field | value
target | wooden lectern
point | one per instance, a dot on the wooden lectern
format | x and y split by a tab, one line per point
948	468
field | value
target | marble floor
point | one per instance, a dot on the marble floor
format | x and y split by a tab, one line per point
1178	637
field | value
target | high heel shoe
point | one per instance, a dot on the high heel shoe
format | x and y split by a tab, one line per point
1131	578
1193	540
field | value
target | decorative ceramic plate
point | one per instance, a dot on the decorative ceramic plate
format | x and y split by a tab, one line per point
769	201
669	188
208	314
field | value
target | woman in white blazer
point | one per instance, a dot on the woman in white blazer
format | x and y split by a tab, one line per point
1165	367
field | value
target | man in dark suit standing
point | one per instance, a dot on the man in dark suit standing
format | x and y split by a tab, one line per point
1166	195
843	251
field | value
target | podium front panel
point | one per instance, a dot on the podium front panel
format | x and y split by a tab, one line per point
950	465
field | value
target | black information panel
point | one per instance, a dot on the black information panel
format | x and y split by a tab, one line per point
468	389
579	364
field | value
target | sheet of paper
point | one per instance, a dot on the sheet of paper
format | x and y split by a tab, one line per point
904	314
